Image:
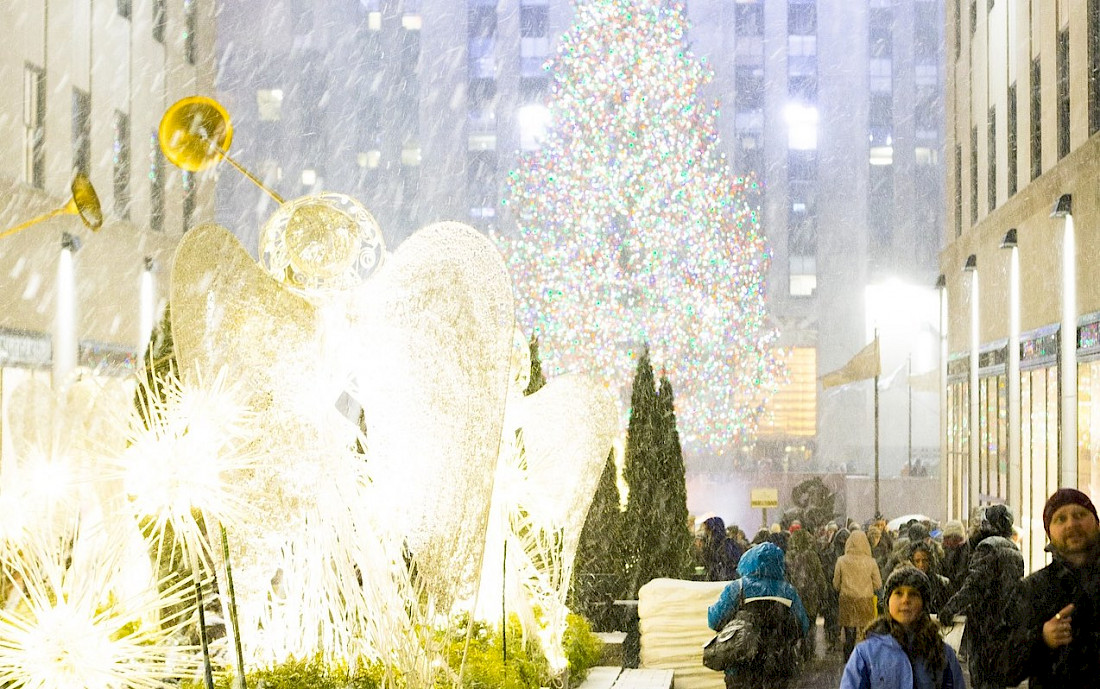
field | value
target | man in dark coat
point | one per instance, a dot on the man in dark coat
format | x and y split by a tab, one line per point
995	568
1055	635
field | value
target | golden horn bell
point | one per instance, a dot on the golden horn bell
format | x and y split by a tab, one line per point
84	203
196	132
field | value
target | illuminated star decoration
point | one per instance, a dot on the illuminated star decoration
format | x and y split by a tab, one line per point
632	231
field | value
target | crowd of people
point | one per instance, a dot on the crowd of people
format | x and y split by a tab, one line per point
888	597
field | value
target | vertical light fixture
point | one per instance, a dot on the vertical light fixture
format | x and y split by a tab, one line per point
947	475
146	304
973	444
64	334
1067	349
1012	375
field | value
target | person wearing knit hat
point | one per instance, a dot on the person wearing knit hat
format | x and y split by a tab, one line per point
996	567
903	647
1055	623
956	554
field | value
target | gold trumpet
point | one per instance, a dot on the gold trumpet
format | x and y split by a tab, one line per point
195	132
84	202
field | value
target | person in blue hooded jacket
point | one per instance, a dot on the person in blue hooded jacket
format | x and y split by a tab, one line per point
902	648
763	580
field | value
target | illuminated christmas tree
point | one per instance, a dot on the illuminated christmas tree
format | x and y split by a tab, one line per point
632	229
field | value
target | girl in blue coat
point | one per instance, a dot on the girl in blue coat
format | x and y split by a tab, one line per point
903	649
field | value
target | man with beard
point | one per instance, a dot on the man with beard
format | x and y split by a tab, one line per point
1055	636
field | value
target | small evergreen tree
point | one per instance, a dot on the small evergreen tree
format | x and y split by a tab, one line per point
655	523
537	379
598	566
677	546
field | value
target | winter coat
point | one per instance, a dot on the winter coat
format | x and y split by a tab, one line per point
879	662
720	560
857	579
762	574
956	560
805	573
995	568
1038	598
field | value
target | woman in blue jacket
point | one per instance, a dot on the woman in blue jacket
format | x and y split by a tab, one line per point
763	576
903	648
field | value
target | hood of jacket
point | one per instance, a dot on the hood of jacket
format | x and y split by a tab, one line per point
764	561
857	544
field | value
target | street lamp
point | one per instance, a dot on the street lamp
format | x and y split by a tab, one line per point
1015	476
971	482
1067	346
64	333
946	464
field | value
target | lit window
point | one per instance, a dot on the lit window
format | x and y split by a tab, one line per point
410	155
533	123
374	21
411	22
269	103
309	177
369	159
801	127
882	155
482	141
803	276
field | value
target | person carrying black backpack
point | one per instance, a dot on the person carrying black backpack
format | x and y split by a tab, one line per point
776	611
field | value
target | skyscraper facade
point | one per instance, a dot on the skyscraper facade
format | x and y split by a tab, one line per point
419	108
84	87
1021	302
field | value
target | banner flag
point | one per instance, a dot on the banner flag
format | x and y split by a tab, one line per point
863	365
928	381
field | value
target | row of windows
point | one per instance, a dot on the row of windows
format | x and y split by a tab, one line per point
34	117
1035	127
160	22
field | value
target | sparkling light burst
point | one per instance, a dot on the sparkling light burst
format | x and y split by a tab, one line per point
76	618
632	230
187	453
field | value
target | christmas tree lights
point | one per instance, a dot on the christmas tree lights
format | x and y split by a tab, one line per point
632	230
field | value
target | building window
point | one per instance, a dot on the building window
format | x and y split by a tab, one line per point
973	17
190	23
881	75
481	184
125	8
1063	93
160	20
82	131
189	194
974	175
34	125
1011	139
1036	118
880	203
927	31
481	20
749	87
534	21
803	275
748	18
269	104
1094	65
880	39
801	17
121	162
991	157
958	29
156	184
958	190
